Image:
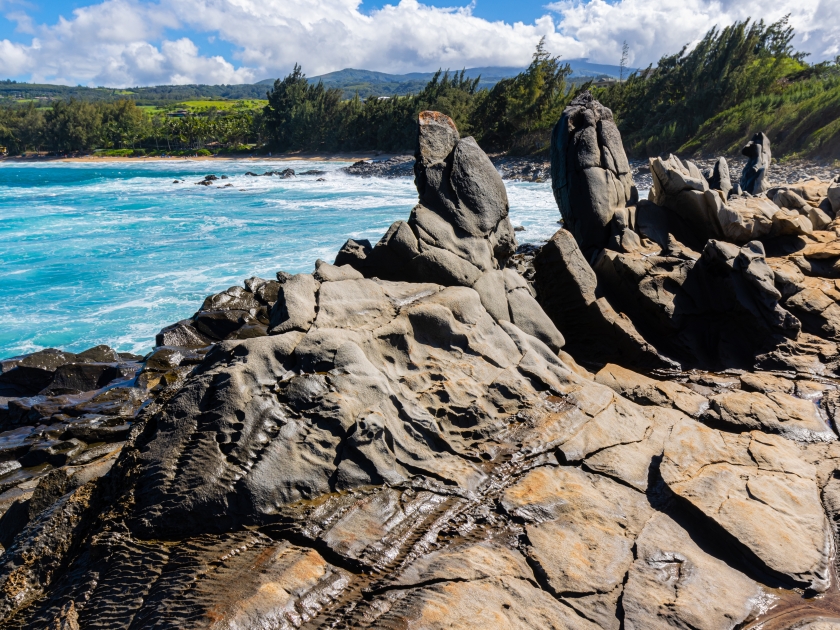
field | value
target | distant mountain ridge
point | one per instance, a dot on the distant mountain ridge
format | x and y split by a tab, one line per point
350	81
371	82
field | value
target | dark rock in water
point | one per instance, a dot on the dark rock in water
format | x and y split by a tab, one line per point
98	354
753	178
182	334
398	166
313	172
223	177
234	298
74	378
90	428
250	174
590	174
204	182
29	374
210	178
219	324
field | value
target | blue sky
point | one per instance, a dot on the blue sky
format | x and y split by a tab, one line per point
142	42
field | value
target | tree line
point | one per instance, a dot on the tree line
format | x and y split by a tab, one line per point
75	125
735	81
515	115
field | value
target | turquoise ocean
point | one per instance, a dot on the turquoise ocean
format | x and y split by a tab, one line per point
110	252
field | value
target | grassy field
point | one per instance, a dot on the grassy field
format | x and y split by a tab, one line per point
244	104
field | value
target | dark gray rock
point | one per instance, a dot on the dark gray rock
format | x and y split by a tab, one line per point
27	375
75	378
589	172
182	334
718	177
753	178
55	452
218	325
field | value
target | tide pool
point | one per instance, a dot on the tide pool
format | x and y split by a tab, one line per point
110	252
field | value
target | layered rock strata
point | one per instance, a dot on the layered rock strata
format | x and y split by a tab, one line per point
363	447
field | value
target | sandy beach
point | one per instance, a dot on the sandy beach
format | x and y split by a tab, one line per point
286	157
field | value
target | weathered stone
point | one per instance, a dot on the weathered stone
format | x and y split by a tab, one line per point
753	178
675	584
647	391
589	172
756	487
295	306
182	334
325	272
775	412
718	177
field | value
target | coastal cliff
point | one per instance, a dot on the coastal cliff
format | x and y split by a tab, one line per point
633	427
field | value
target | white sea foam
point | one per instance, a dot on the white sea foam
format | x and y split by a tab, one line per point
111	252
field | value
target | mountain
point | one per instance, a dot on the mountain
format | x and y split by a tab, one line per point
370	82
350	81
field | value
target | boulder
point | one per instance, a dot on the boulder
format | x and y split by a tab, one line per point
590	173
833	194
773	412
27	375
182	334
718	177
565	285
648	391
753	177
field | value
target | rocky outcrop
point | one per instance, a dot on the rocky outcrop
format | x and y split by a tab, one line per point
368	446
757	151
459	234
699	275
590	174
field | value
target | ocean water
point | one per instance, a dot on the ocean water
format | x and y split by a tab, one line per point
110	252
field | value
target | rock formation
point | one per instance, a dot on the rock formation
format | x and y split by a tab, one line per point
693	270
401	440
590	174
758	155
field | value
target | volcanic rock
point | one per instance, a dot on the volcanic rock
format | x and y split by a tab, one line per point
590	174
753	178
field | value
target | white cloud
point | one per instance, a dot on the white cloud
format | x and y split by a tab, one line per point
654	29
131	42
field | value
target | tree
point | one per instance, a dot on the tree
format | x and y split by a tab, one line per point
625	49
72	125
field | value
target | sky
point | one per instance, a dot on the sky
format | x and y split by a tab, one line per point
122	43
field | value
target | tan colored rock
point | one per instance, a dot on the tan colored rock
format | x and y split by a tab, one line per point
622	422
774	412
647	391
765	383
631	463
674	584
580	532
790	222
499	603
484	559
758	488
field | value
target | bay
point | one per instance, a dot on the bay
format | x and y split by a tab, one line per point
110	252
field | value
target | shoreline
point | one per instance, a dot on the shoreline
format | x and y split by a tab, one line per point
286	157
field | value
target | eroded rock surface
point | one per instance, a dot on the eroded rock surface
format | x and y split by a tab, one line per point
401	440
